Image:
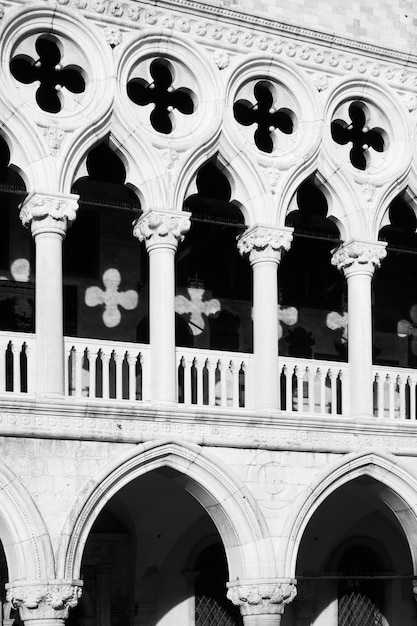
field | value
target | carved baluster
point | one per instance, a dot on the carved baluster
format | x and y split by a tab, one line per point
211	369
118	360
131	361
16	367
310	388
78	358
401	391
391	396
333	386
412	386
300	380
224	368
105	361
234	368
199	366
288	387
91	356
322	383
187	380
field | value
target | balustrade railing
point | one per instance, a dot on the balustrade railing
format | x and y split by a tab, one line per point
310	386
395	393
120	371
108	370
214	378
16	362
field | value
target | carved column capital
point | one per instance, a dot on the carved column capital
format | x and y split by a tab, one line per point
265	243
162	228
40	601
45	212
358	256
262	598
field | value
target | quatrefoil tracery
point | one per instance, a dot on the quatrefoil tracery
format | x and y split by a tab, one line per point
359	134
162	94
265	114
48	70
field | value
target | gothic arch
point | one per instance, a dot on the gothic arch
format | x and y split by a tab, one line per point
23	532
399	493
240	523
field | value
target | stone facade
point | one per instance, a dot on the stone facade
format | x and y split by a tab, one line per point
207	312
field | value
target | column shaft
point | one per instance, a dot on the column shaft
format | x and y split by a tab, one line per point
360	342
162	323
265	333
49	314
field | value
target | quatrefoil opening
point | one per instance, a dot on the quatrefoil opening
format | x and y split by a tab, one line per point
48	70
359	133
265	113
161	93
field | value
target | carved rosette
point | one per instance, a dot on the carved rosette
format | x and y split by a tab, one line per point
162	228
265	243
49	213
359	256
44	601
262	599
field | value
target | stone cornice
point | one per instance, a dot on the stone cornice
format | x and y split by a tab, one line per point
231	29
215	427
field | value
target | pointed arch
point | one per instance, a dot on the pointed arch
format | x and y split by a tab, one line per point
235	513
399	493
23	532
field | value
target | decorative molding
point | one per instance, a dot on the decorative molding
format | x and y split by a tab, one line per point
265	243
135	423
48	211
157	227
44	601
262	598
356	255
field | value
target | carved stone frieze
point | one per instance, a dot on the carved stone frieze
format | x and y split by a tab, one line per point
262	598
44	601
162	228
45	212
265	243
359	255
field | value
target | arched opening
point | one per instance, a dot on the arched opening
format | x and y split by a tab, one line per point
16	252
354	565
309	286
105	267
395	298
155	557
213	281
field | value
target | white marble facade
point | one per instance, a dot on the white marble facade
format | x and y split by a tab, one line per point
208	313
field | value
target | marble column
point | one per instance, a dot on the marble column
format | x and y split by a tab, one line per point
162	231
358	260
262	603
41	604
48	216
265	246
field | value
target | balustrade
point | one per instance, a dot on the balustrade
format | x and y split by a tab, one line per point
16	362
107	370
111	370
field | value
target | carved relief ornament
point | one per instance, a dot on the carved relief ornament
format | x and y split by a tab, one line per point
359	256
262	599
44	601
265	243
48	212
162	228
